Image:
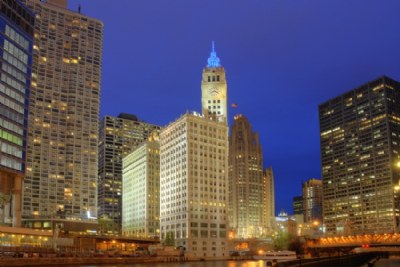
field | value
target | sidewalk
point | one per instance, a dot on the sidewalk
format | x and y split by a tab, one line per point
387	263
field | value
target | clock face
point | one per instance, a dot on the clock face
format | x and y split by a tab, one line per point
213	91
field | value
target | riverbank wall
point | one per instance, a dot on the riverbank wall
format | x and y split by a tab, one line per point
51	261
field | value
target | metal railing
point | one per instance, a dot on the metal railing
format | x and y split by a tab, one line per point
352	260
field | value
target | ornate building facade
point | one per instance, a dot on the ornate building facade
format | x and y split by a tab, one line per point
246	181
269	200
214	89
193	172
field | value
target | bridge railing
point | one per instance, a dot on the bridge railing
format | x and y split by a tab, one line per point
353	260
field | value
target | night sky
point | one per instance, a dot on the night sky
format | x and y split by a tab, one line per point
282	59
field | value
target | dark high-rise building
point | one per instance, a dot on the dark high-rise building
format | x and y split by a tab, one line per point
246	181
16	37
312	201
64	106
118	136
298	205
360	153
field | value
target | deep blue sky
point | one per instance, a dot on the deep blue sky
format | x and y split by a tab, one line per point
282	58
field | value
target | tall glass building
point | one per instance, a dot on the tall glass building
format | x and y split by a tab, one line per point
312	201
16	36
360	153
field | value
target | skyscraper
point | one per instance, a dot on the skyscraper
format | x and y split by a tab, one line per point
360	153
312	201
298	210
141	190
62	145
193	182
193	172
16	28
246	181
269	200
118	137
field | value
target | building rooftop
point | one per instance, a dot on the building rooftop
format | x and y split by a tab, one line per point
127	116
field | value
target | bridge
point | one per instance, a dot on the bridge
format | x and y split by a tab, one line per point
359	240
386	243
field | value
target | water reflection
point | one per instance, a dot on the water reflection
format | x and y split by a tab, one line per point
245	264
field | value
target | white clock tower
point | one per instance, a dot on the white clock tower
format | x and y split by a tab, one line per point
214	89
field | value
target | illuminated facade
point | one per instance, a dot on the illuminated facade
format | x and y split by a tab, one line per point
312	200
193	181
246	181
360	153
118	136
269	200
16	28
214	89
62	142
194	172
286	224
141	190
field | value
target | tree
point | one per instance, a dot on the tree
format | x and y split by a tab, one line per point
106	225
4	199
281	241
169	239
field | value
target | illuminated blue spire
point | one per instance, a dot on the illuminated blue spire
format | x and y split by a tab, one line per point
213	60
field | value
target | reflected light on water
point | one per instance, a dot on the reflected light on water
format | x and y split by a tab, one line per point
246	264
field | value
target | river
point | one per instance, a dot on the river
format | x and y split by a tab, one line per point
184	264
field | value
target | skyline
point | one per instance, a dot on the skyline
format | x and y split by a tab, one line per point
298	51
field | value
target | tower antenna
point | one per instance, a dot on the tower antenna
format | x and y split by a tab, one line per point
213	60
